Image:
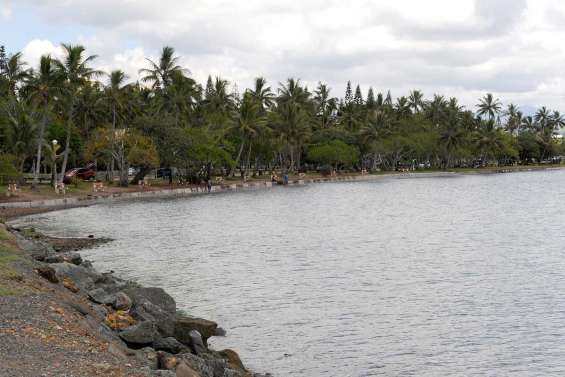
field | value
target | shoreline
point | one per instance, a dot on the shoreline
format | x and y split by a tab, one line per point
136	330
128	346
15	209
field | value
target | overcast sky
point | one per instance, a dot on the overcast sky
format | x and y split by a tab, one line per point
463	48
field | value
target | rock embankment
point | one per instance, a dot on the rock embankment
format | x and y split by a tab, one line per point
140	325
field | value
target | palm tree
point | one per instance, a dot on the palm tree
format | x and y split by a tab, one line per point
416	101
75	70
513	118
161	73
325	105
43	87
292	125
488	105
557	120
250	123
293	92
15	72
452	138
543	117
402	107
528	124
262	93
436	109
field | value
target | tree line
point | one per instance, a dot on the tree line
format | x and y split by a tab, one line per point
168	119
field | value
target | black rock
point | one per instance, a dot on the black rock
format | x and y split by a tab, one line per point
156	296
82	276
143	333
147	311
48	273
100	296
196	343
170	345
185	324
122	301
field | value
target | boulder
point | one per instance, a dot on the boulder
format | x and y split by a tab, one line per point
83	277
183	370
170	345
48	273
156	296
196	343
119	320
147	311
73	258
185	324
100	296
233	360
209	365
166	361
70	285
143	333
147	356
54	258
122	301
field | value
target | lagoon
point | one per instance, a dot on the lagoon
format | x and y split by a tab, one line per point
426	276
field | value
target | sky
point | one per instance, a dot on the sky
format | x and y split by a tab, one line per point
462	48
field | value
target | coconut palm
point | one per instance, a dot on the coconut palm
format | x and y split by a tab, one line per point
75	70
557	120
15	72
490	106
43	86
416	101
543	118
325	105
293	92
161	73
250	123
262	93
513	118
291	124
402	107
436	109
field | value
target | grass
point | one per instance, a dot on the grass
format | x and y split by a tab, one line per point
8	291
9	253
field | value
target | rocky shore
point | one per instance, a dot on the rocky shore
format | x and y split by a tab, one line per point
61	317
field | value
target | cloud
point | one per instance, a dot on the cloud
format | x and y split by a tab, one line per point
33	51
5	9
463	48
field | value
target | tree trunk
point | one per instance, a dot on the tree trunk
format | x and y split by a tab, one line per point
247	162
123	172
112	164
67	143
232	170
36	173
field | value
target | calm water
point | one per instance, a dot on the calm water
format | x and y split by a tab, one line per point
458	276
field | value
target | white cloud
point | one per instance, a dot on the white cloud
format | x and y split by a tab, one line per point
33	51
462	48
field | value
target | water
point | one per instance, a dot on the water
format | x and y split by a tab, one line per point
461	276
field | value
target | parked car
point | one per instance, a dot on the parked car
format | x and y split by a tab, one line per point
133	171
86	174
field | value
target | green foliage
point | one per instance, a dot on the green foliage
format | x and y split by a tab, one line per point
7	166
169	119
335	153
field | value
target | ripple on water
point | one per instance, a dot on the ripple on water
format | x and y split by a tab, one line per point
413	277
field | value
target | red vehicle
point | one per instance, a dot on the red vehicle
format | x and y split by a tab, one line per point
86	174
